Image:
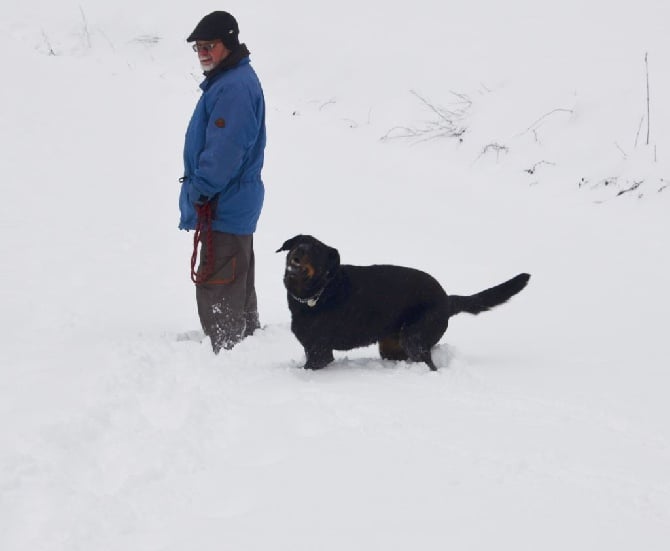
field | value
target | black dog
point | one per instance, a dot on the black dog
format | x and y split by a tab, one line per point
340	307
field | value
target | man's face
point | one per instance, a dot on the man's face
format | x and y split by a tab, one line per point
211	53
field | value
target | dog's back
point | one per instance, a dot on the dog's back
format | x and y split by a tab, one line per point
393	286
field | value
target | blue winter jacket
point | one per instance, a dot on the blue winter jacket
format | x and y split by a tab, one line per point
223	152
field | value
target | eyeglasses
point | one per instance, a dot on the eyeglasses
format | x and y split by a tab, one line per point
208	47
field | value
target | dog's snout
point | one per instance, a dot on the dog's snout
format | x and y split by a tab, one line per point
293	266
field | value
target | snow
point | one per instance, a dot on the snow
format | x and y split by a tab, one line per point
547	426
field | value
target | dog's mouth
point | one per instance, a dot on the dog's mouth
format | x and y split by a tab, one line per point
299	274
299	268
293	272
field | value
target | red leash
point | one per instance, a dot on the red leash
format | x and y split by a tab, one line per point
204	224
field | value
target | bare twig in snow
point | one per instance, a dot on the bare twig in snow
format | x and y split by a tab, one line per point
46	41
87	35
639	129
646	64
401	132
533	127
622	151
448	123
446	115
354	123
329	102
465	100
533	168
148	39
631	188
498	148
111	44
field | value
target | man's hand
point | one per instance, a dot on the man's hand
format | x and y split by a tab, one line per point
197	198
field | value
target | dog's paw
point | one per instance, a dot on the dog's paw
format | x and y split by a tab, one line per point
318	359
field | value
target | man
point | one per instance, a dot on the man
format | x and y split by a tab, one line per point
222	191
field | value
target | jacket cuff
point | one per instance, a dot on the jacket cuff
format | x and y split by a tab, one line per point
197	198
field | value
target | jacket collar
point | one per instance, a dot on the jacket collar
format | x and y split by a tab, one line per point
238	56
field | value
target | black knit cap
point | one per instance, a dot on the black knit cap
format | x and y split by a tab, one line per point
218	25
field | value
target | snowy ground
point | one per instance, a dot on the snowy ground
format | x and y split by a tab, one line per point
547	426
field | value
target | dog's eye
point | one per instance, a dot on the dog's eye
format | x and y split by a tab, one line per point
295	261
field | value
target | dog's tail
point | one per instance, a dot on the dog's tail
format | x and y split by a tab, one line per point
489	298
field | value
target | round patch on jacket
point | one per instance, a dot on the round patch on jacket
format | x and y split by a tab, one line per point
220	123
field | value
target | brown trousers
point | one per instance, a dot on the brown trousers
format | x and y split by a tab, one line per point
226	301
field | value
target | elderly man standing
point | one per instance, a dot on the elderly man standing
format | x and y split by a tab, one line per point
222	190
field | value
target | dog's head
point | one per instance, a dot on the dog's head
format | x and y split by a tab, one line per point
309	265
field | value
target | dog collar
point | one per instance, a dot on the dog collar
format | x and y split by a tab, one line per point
311	301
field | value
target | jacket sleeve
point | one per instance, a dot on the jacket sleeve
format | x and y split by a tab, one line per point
231	130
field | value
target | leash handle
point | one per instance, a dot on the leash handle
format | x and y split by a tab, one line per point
204	223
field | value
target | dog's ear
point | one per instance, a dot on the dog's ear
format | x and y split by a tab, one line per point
288	244
333	260
297	240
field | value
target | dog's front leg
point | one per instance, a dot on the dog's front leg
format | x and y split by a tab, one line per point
318	357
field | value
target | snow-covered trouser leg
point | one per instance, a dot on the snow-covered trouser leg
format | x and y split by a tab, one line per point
251	304
227	299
